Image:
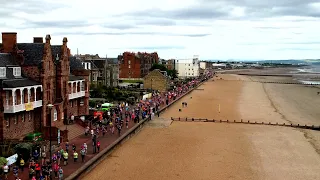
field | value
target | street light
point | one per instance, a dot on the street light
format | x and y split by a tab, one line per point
50	106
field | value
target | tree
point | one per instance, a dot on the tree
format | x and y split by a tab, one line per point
161	67
172	73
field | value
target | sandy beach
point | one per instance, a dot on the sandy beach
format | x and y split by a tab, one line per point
203	150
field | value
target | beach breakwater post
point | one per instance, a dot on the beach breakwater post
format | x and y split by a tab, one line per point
105	152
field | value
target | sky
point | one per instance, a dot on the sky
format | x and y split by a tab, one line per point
212	29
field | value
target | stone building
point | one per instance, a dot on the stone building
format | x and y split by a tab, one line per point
112	70
33	75
156	80
136	65
103	71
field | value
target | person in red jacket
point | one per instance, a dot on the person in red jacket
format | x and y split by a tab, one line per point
38	170
98	146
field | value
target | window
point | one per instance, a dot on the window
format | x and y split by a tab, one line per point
82	86
89	65
129	66
17	71
55	114
2	72
71	104
7	121
129	62
22	118
81	102
29	116
7	98
15	119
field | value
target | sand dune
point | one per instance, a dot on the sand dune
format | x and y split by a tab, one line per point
191	150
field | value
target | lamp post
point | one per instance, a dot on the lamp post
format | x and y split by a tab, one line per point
50	106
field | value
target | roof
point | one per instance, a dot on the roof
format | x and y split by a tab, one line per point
112	60
6	59
75	78
22	82
56	49
99	63
33	52
75	64
158	72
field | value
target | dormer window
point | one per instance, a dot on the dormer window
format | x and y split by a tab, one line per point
17	71
2	72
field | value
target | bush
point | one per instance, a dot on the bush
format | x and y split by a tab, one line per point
3	161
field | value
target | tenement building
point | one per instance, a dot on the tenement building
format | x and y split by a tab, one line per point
33	75
103	71
136	65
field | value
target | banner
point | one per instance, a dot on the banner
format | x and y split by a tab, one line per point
29	106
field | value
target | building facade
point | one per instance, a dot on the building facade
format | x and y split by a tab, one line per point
103	71
34	75
188	68
156	80
112	69
136	65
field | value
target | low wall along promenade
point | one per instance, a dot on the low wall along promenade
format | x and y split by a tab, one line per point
105	152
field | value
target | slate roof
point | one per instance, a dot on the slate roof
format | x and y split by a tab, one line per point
7	59
75	78
112	60
33	52
75	64
22	82
56	49
99	63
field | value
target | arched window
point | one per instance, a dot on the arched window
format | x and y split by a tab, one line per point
55	114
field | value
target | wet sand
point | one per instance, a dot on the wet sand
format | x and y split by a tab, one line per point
195	150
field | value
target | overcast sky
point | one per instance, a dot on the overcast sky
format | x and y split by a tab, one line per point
212	29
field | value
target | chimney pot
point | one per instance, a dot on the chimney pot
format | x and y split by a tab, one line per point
48	37
65	40
37	40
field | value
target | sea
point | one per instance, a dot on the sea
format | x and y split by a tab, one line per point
308	74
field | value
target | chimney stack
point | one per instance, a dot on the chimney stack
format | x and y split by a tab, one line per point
37	40
9	41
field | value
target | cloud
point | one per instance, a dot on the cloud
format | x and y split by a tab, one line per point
128	33
152	48
189	13
29	6
214	29
235	9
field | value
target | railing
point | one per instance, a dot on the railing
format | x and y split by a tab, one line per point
22	107
77	95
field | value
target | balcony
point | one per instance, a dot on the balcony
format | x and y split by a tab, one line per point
22	107
77	95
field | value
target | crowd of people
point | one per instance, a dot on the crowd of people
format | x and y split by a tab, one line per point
40	167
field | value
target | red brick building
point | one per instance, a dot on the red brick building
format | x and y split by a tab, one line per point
33	75
136	65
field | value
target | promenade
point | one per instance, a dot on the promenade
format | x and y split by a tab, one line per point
105	141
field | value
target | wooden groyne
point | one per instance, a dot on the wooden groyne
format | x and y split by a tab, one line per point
301	126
